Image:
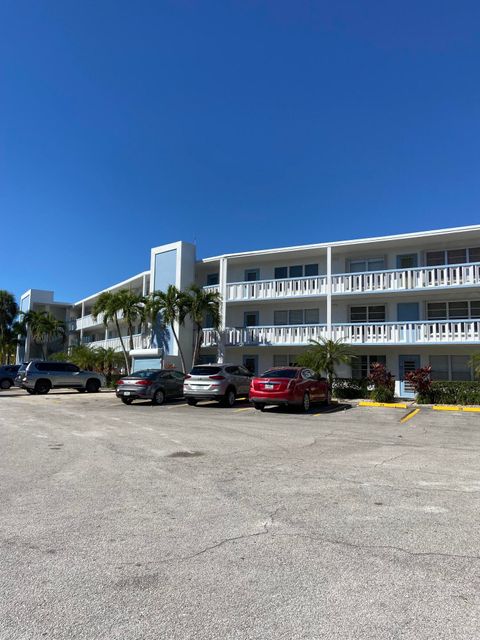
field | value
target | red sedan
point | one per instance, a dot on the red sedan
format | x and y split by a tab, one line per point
297	386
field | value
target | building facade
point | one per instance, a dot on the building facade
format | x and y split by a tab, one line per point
406	300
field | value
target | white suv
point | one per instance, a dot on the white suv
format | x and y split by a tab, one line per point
40	377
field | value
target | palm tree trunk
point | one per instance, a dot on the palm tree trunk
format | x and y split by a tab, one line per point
196	351
127	362
130	331
179	348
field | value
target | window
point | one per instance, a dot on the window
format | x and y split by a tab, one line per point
205	370
452	256
295	316
285	360
213	279
251	275
312	316
307	374
474	254
311	270
456	256
280	373
407	261
367	264
361	365
435	258
250	319
280	272
451	368
296	271
178	375
280	317
72	368
375	313
455	310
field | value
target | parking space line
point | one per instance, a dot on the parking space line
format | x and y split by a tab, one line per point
410	415
243	409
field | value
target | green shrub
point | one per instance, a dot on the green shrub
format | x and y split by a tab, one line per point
349	388
382	394
455	392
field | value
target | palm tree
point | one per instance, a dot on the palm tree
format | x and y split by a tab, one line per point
110	305
107	360
8	312
198	304
12	337
325	355
172	304
131	306
44	328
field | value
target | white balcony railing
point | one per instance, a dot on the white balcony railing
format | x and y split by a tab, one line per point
89	321
385	333
421	278
271	289
457	275
139	342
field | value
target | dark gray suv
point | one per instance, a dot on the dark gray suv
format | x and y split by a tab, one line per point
40	377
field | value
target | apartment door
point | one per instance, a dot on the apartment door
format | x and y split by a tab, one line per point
405	365
251	363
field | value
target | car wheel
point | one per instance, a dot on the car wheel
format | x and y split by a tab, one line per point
81	390
42	387
259	407
306	402
32	392
127	400
192	402
158	397
5	384
92	386
229	399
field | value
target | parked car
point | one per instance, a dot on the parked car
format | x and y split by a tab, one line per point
222	382
156	385
8	373
286	386
39	377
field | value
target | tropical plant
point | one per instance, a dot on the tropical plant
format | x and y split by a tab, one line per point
475	364
131	306
200	303
110	305
108	360
324	355
8	313
172	305
421	381
44	328
383	383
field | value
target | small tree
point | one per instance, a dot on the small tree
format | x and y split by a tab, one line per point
475	363
110	305
383	382
421	381
44	328
324	355
198	304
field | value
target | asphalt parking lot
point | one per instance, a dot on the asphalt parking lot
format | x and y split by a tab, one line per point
180	522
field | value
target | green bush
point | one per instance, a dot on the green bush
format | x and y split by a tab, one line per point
382	394
457	392
349	388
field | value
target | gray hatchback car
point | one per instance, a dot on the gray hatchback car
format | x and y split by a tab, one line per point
223	382
40	377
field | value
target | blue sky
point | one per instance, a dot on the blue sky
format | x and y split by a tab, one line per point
237	125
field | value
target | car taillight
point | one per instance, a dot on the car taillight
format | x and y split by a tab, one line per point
120	382
217	377
144	383
187	376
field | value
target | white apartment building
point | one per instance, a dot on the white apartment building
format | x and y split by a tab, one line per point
406	300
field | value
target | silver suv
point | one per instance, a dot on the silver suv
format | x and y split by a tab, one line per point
223	382
40	377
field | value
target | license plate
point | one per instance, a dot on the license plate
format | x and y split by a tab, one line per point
126	393
269	386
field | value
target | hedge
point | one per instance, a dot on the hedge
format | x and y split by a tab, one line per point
350	388
458	392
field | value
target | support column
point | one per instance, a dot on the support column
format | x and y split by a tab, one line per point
144	285
222	281
81	326
329	293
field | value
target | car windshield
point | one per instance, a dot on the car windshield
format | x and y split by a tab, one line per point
279	373
205	371
145	373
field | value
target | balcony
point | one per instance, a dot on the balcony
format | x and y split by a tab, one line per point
139	342
86	322
421	278
418	279
385	333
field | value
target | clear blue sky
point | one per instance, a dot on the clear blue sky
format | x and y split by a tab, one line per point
237	125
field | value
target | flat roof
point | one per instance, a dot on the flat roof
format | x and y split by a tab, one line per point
345	243
113	286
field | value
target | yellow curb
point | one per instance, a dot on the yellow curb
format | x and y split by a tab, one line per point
410	415
440	407
390	405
